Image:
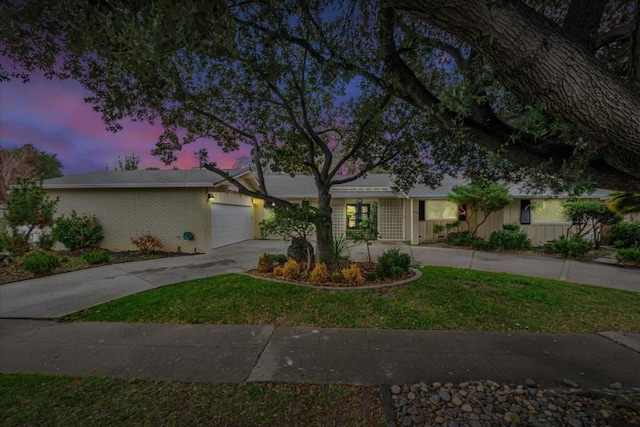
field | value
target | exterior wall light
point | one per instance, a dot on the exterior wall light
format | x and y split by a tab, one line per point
210	196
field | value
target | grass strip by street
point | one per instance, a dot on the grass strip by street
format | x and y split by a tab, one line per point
35	399
443	299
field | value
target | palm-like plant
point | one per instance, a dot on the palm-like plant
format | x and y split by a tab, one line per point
622	202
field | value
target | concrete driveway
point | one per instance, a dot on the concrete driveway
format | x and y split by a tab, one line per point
58	295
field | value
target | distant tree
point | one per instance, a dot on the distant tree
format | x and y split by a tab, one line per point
27	162
480	198
130	163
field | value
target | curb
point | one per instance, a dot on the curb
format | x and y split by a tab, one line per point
416	276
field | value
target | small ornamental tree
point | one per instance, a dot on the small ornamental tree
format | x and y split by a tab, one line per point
297	221
588	218
28	208
480	198
367	232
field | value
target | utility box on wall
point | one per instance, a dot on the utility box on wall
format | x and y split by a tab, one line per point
187	235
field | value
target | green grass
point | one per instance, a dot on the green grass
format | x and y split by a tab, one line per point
445	298
46	400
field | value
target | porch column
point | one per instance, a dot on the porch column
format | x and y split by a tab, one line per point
415	227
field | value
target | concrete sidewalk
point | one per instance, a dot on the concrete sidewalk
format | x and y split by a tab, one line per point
235	353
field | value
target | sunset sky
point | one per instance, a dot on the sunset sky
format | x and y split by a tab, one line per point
52	116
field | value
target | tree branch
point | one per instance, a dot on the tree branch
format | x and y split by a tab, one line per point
242	189
583	20
620	32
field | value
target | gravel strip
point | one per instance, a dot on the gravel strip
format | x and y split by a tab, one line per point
488	403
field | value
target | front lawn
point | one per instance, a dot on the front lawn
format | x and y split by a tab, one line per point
444	298
34	399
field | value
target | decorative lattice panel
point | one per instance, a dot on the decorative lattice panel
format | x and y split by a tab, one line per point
390	219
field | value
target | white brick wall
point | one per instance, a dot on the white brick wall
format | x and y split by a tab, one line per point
126	213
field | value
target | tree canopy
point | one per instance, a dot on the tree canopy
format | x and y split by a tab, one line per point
25	161
545	90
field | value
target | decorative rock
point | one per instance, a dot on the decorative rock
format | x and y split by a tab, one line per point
411	396
615	386
444	395
395	389
439	420
574	423
456	400
467	408
435	399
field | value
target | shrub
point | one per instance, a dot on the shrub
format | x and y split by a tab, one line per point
14	242
265	263
96	257
352	275
45	242
631	255
339	252
291	269
40	262
320	274
371	276
278	271
510	237
626	234
391	259
278	258
574	247
78	231
336	277
147	243
460	238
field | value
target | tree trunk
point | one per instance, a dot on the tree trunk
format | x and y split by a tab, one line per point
324	225
531	56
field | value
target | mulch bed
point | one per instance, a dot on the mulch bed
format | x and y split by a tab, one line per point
365	267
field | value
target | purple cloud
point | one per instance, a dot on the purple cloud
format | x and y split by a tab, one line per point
52	115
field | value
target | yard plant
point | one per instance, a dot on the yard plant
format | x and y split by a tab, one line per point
40	262
78	231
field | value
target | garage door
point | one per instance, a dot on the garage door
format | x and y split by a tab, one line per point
230	224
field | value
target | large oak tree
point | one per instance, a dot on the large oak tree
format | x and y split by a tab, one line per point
549	86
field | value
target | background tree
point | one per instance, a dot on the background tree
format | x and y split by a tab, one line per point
480	199
27	162
130	163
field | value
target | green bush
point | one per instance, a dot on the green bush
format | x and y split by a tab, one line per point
46	242
574	247
96	257
14	242
371	276
278	258
392	263
626	234
40	262
510	237
459	238
631	255
78	231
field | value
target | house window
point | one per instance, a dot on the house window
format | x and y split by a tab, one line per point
525	211
549	210
441	209
421	210
356	213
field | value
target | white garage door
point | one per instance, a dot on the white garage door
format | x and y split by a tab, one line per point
230	224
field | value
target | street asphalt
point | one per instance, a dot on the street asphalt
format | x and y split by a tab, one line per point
30	341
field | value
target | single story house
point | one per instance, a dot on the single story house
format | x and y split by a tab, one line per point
197	210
